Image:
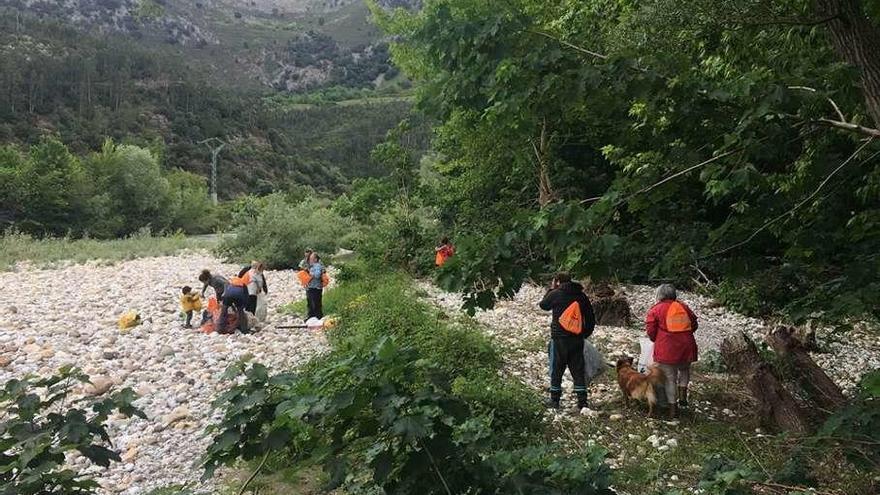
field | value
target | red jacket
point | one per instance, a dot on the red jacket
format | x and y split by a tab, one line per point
670	348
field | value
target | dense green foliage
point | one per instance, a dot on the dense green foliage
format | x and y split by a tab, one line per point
654	141
41	423
278	228
115	192
404	402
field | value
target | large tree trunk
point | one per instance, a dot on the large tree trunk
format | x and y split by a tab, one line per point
776	406
541	148
857	41
810	376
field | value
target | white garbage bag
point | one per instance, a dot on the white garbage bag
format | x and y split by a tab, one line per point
646	358
262	310
313	322
594	363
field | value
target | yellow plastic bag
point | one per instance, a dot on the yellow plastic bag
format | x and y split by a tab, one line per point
129	320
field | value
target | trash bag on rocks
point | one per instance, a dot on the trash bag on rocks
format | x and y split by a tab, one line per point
129	320
262	310
646	358
594	363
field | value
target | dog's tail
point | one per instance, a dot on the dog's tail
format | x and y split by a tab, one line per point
655	374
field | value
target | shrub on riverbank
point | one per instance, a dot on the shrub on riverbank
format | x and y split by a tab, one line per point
277	228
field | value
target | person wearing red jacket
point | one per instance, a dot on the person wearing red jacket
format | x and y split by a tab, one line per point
670	325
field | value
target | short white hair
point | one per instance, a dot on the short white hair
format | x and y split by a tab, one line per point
666	291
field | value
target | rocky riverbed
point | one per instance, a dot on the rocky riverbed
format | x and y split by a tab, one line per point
69	315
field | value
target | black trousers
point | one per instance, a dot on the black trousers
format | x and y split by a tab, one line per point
313	301
237	297
252	304
567	352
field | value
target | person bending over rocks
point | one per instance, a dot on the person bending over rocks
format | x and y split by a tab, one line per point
236	294
670	325
217	282
573	321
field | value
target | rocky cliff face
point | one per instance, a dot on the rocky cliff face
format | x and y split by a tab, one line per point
134	17
291	45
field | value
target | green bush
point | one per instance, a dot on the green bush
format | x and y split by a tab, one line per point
401	237
41	423
111	193
277	230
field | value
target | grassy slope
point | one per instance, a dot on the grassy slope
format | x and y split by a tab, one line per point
15	248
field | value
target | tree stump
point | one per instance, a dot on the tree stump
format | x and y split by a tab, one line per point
611	308
810	376
777	407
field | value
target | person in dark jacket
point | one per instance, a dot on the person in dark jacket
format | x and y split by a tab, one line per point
566	349
674	351
217	282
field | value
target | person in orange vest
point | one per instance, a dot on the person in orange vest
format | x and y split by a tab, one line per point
573	321
236	294
443	252
670	325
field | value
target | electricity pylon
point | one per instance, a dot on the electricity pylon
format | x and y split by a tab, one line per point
216	145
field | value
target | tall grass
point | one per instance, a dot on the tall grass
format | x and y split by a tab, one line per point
17	247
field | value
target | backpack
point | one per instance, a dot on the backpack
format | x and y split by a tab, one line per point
677	318
571	320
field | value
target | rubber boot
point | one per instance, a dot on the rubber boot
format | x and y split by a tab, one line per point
551	403
582	400
682	397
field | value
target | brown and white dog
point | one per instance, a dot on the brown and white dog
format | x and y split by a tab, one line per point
635	385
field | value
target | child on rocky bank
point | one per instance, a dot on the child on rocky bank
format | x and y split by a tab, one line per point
190	302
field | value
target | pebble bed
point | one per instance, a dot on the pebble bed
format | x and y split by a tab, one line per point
69	315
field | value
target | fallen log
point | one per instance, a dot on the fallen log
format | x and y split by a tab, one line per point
777	407
810	376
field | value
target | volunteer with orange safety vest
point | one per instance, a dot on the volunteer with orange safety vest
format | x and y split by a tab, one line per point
573	321
670	324
443	252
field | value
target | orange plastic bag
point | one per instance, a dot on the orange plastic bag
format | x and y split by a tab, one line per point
304	277
325	279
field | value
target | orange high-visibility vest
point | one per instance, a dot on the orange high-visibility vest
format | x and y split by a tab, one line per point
241	281
677	318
